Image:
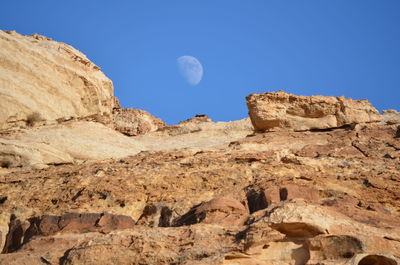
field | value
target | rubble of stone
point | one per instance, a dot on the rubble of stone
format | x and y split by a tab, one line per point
282	111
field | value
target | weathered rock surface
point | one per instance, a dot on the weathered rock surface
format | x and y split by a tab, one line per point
41	79
224	211
198	118
80	141
282	111
197	135
64	143
76	191
20	233
328	197
134	122
391	117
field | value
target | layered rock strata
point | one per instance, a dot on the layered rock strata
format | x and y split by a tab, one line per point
282	111
45	80
328	197
77	191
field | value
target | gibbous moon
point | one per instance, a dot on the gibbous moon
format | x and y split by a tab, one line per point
190	68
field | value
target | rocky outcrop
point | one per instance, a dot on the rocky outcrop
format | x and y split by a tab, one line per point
45	80
132	122
55	103
281	111
328	197
296	232
20	233
224	211
76	191
391	117
64	143
198	118
79	141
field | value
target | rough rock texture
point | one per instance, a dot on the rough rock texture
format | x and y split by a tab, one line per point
391	117
325	197
282	111
41	79
134	122
224	211
80	141
198	118
64	124
21	233
201	192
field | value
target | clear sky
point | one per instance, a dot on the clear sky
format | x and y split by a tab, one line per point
340	47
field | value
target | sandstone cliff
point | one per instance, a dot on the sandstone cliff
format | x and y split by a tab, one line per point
41	79
123	188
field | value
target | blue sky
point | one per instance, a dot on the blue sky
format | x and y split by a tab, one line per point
341	47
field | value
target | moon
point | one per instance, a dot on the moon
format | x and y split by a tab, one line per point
190	68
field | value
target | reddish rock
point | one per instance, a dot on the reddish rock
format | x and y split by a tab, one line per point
291	191
223	211
47	225
110	222
326	196
334	247
74	222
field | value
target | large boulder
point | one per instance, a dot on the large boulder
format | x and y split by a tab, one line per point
282	111
133	122
44	80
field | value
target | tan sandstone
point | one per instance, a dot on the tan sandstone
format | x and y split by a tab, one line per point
283	111
340	205
42	79
132	122
64	143
80	141
77	191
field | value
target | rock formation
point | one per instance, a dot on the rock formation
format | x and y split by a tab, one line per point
279	110
78	191
80	141
273	198
133	122
41	79
64	143
391	116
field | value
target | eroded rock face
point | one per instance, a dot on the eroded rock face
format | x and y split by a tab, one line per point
79	141
282	111
44	80
21	232
198	118
132	122
391	117
224	211
64	144
328	197
202	192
